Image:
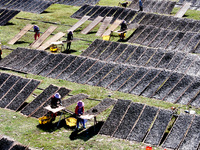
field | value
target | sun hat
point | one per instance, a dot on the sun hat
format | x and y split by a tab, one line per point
80	103
57	95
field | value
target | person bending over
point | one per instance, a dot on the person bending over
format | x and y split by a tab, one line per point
56	100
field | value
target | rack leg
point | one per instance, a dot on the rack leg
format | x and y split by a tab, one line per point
59	119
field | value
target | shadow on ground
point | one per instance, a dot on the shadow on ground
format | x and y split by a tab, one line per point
83	134
92	32
9	24
45	12
21	42
78	30
69	51
86	134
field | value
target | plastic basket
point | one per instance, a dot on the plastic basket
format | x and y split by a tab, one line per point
53	48
71	121
106	37
44	120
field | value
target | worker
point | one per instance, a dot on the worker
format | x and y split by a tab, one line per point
123	30
79	110
140	5
37	31
56	100
125	4
0	51
69	39
123	26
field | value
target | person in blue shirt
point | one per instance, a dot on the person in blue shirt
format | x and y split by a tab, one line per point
140	5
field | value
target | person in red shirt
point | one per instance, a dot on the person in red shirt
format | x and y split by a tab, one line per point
79	110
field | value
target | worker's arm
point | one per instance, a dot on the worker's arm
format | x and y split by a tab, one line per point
59	102
76	110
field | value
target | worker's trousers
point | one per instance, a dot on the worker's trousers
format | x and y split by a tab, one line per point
80	121
36	35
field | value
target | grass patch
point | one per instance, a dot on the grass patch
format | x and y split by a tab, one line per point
25	130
